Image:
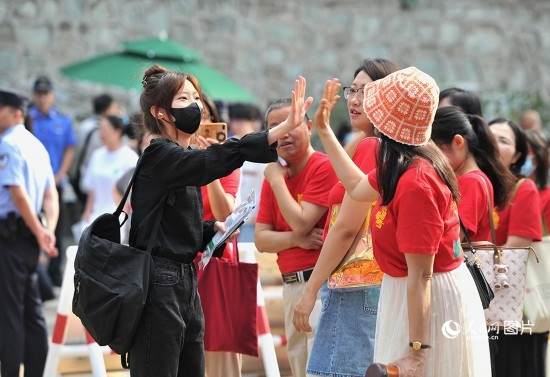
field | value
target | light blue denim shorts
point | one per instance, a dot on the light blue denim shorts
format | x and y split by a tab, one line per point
344	339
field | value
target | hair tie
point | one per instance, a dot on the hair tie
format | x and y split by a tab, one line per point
144	81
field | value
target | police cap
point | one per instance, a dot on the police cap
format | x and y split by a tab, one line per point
42	84
13	98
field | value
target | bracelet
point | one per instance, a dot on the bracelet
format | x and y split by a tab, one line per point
419	346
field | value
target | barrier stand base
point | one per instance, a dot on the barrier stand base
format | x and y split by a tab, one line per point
265	339
57	347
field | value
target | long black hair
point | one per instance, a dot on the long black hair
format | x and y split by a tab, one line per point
394	158
451	121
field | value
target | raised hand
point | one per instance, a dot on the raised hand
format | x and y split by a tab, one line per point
299	105
327	103
298	109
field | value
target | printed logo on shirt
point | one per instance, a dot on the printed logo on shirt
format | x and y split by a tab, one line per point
333	215
299	198
4	160
380	216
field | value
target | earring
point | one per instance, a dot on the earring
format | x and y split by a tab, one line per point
160	114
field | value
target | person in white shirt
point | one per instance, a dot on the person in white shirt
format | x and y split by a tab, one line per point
107	164
243	119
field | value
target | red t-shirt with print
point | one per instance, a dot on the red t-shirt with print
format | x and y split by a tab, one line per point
522	216
365	158
473	206
422	218
311	185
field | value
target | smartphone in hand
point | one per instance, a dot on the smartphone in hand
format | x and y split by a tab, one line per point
216	131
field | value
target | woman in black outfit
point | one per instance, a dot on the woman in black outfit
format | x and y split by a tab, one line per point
169	340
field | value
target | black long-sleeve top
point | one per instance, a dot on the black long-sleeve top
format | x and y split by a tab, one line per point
170	179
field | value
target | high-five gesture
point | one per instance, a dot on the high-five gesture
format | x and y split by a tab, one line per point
353	179
298	109
327	103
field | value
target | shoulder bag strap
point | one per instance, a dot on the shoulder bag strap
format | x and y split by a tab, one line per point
465	231
516	187
496	253
497	258
120	208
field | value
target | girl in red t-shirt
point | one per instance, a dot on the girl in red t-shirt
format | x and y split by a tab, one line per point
473	153
426	290
348	319
536	168
517	225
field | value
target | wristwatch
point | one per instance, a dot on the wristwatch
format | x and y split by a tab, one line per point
419	346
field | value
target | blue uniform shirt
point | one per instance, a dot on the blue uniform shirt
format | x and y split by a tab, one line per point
55	131
25	162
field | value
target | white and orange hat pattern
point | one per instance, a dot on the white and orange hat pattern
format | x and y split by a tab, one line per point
402	105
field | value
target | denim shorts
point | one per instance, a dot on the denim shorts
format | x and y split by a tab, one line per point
344	339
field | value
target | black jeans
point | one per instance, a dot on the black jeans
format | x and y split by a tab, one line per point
23	334
169	340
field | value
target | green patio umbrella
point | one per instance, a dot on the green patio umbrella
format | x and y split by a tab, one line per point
125	69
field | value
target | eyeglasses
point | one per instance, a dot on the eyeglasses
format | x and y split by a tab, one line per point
349	91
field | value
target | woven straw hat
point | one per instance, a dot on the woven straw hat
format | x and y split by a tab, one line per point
402	105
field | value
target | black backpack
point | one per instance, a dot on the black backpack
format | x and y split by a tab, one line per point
112	280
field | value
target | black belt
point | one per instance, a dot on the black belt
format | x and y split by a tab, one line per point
298	276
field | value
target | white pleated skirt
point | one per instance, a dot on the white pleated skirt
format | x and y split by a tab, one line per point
458	334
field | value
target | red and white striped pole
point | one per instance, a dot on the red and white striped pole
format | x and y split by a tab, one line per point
57	347
265	339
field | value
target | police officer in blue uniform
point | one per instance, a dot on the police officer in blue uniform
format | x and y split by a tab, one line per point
27	188
54	129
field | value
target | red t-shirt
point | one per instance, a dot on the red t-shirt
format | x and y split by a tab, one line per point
522	216
473	206
422	218
230	185
311	185
365	158
545	206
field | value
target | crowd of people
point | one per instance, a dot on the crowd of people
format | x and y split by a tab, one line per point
419	163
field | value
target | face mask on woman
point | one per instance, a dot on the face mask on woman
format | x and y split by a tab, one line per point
528	167
187	119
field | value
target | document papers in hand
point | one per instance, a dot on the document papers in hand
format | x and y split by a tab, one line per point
237	218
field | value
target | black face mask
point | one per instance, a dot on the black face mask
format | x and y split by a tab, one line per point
188	119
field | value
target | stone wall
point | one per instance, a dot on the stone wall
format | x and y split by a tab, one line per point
496	47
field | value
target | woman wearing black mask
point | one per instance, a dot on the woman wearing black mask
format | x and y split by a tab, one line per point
169	341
